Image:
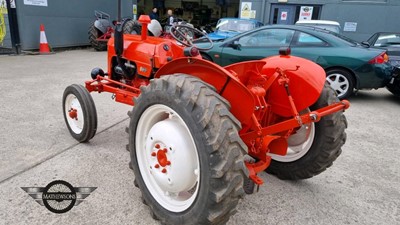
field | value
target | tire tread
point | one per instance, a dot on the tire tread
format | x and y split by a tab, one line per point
333	138
226	149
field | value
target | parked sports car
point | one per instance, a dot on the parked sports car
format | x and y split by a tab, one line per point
390	42
229	27
348	65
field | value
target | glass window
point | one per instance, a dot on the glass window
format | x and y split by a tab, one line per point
267	38
385	40
236	25
310	40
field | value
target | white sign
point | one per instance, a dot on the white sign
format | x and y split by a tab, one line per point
283	15
305	13
245	10
350	26
134	11
36	2
3	8
252	14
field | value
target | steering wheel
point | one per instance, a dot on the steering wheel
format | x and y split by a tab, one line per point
185	35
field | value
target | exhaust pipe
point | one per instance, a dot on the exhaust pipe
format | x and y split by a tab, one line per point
118	34
144	20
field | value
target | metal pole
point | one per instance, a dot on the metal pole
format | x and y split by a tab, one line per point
263	11
119	11
13	24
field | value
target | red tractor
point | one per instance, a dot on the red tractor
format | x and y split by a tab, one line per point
199	133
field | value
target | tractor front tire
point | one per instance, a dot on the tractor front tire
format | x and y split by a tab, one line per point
94	33
79	112
311	154
186	152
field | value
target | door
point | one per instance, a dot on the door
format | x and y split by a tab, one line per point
312	48
282	14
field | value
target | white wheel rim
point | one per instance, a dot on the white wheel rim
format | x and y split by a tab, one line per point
339	83
299	144
173	185
74	113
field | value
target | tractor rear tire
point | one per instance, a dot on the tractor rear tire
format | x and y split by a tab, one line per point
186	152
94	33
82	124
132	27
322	147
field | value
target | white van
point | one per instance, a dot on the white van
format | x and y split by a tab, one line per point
322	24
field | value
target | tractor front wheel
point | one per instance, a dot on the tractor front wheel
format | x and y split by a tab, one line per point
314	146
79	113
186	153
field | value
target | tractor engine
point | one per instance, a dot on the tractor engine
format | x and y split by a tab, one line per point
125	70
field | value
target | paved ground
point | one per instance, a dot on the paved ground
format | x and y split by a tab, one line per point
362	187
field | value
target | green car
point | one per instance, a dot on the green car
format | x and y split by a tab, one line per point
348	64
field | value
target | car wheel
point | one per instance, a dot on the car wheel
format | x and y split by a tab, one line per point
341	81
394	87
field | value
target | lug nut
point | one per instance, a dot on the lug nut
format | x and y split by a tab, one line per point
164	170
165	150
168	163
157	166
153	154
157	146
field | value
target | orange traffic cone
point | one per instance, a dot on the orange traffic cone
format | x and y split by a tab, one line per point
44	46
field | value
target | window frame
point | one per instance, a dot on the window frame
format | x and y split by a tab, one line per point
267	46
295	41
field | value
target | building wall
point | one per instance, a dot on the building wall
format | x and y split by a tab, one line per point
66	22
370	18
370	15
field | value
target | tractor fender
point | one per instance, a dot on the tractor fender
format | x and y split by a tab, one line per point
102	25
155	28
306	81
226	84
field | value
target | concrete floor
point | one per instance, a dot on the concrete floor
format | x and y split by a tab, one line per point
362	186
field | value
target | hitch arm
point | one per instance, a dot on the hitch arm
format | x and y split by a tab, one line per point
313	116
123	93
